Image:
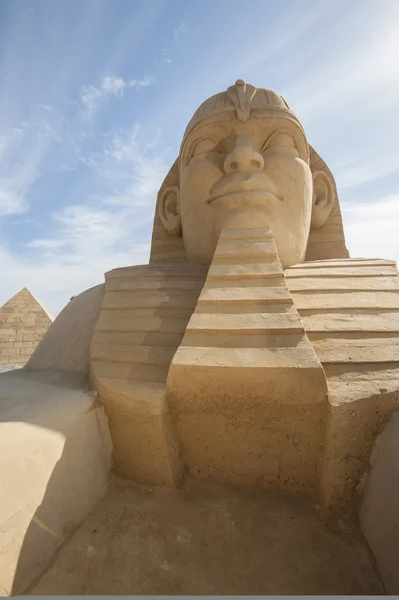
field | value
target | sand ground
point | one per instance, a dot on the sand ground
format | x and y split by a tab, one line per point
209	539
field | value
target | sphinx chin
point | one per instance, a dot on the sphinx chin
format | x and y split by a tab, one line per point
243	217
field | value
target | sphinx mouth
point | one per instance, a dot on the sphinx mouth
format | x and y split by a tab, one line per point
246	197
257	188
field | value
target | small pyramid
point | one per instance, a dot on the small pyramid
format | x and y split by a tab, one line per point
23	323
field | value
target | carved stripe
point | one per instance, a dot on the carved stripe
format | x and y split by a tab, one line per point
247	295
317	284
345	300
245	323
335	322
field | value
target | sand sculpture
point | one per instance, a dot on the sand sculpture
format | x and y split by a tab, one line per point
251	350
23	323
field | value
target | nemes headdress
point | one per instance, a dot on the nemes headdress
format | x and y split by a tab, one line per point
327	242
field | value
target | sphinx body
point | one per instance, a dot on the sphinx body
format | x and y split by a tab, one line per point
251	350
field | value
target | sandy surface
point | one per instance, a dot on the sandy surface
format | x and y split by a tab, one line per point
5	368
208	539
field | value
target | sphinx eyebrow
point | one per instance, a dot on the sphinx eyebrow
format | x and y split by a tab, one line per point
281	131
293	134
190	144
221	121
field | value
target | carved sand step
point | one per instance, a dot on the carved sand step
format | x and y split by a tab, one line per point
242	340
354	338
359	353
220	271
134	371
259	282
246	308
247	295
149	299
345	263
147	284
358	300
331	307
244	358
245	323
172	271
153	355
338	321
162	312
239	249
347	271
314	284
111	320
133	338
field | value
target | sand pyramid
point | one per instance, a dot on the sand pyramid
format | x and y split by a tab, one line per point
23	323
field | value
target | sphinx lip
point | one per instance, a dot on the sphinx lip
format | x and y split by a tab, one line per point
257	197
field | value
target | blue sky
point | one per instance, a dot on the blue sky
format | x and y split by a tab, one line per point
95	96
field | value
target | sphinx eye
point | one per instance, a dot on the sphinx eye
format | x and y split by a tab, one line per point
281	142
203	146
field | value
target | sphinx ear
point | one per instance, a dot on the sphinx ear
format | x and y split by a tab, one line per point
323	198
169	210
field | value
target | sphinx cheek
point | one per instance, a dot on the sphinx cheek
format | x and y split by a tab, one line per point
295	186
197	215
198	178
298	208
304	191
293	180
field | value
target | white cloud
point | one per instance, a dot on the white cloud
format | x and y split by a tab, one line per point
177	34
22	153
113	228
139	83
130	166
164	56
12	199
115	86
365	168
111	85
54	278
356	83
46	244
179	31
90	97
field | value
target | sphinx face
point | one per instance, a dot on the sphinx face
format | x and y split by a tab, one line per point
243	175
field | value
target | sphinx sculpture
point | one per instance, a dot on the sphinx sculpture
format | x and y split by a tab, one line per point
251	350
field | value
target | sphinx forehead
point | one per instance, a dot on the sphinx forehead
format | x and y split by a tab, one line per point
242	99
261	118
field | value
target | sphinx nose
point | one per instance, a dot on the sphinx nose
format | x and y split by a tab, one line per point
243	158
